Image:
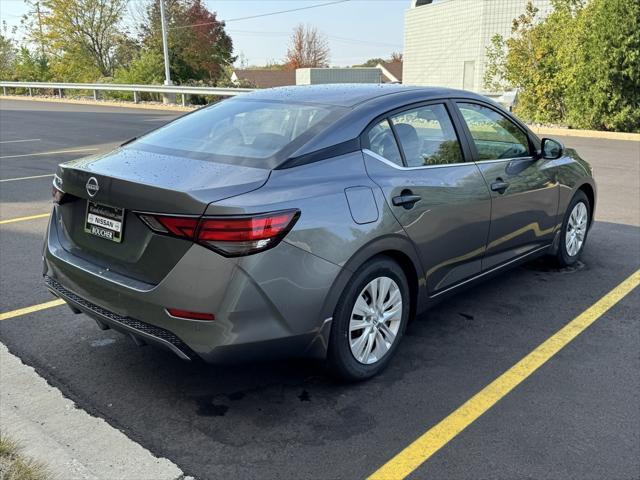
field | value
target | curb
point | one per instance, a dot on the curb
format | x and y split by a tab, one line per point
569	132
72	444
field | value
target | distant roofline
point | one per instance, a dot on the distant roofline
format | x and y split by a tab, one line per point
350	94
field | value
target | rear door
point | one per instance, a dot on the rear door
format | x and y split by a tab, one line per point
524	193
435	192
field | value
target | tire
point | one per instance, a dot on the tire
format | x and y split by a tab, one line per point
381	328
575	226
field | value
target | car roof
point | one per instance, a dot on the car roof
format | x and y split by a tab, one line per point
347	94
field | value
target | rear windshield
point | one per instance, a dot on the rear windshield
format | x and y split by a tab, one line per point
249	132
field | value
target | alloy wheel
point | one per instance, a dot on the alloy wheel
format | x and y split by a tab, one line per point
576	229
375	320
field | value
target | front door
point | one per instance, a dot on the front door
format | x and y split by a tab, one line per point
523	192
439	197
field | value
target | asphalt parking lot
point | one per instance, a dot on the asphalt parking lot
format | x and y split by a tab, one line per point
576	417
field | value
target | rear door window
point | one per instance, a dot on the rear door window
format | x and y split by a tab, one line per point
427	136
382	142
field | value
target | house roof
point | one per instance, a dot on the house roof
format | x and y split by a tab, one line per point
264	78
392	71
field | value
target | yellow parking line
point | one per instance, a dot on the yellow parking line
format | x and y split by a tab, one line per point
31	309
418	452
75	150
22	219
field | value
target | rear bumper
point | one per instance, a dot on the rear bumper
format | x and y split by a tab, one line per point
268	304
141	331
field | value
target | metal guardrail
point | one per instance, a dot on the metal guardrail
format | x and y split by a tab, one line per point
120	87
505	98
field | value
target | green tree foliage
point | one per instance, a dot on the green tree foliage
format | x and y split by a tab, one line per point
146	68
7	57
199	47
372	62
603	88
83	37
579	66
87	41
31	67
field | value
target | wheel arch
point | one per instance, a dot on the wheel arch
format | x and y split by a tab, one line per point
590	192
397	247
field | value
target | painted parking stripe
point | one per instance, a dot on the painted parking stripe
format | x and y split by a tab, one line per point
57	152
20	141
33	308
26	178
418	452
22	219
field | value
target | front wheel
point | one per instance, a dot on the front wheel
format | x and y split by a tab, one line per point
369	320
574	230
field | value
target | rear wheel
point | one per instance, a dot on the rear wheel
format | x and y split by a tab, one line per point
369	320
574	230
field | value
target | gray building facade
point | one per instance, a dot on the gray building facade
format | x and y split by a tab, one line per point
445	42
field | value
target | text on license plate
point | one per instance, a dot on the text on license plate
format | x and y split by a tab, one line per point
104	221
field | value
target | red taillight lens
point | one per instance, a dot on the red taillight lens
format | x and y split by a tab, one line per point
180	226
176	312
229	235
243	229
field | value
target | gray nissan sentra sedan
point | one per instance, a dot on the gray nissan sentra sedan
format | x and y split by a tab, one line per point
309	221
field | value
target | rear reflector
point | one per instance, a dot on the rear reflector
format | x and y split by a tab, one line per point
176	312
229	235
57	193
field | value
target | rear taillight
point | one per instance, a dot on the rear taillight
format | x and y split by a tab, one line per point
231	236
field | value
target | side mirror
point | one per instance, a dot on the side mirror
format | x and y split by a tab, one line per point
551	149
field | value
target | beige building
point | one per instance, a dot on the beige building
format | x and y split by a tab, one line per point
445	41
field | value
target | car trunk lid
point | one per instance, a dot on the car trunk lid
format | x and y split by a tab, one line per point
142	181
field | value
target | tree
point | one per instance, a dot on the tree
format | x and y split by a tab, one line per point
372	62
84	37
307	48
7	57
579	66
199	47
31	67
603	87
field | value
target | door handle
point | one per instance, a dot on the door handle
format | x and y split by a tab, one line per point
406	199
499	186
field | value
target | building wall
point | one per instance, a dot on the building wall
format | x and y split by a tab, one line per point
445	39
312	76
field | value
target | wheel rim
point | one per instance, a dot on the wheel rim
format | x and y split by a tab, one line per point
375	320
576	229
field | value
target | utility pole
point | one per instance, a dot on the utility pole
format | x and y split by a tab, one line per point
166	98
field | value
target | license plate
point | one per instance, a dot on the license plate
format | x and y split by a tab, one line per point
104	221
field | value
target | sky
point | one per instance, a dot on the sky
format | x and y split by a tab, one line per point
356	29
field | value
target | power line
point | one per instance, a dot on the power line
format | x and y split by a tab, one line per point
331	37
308	7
